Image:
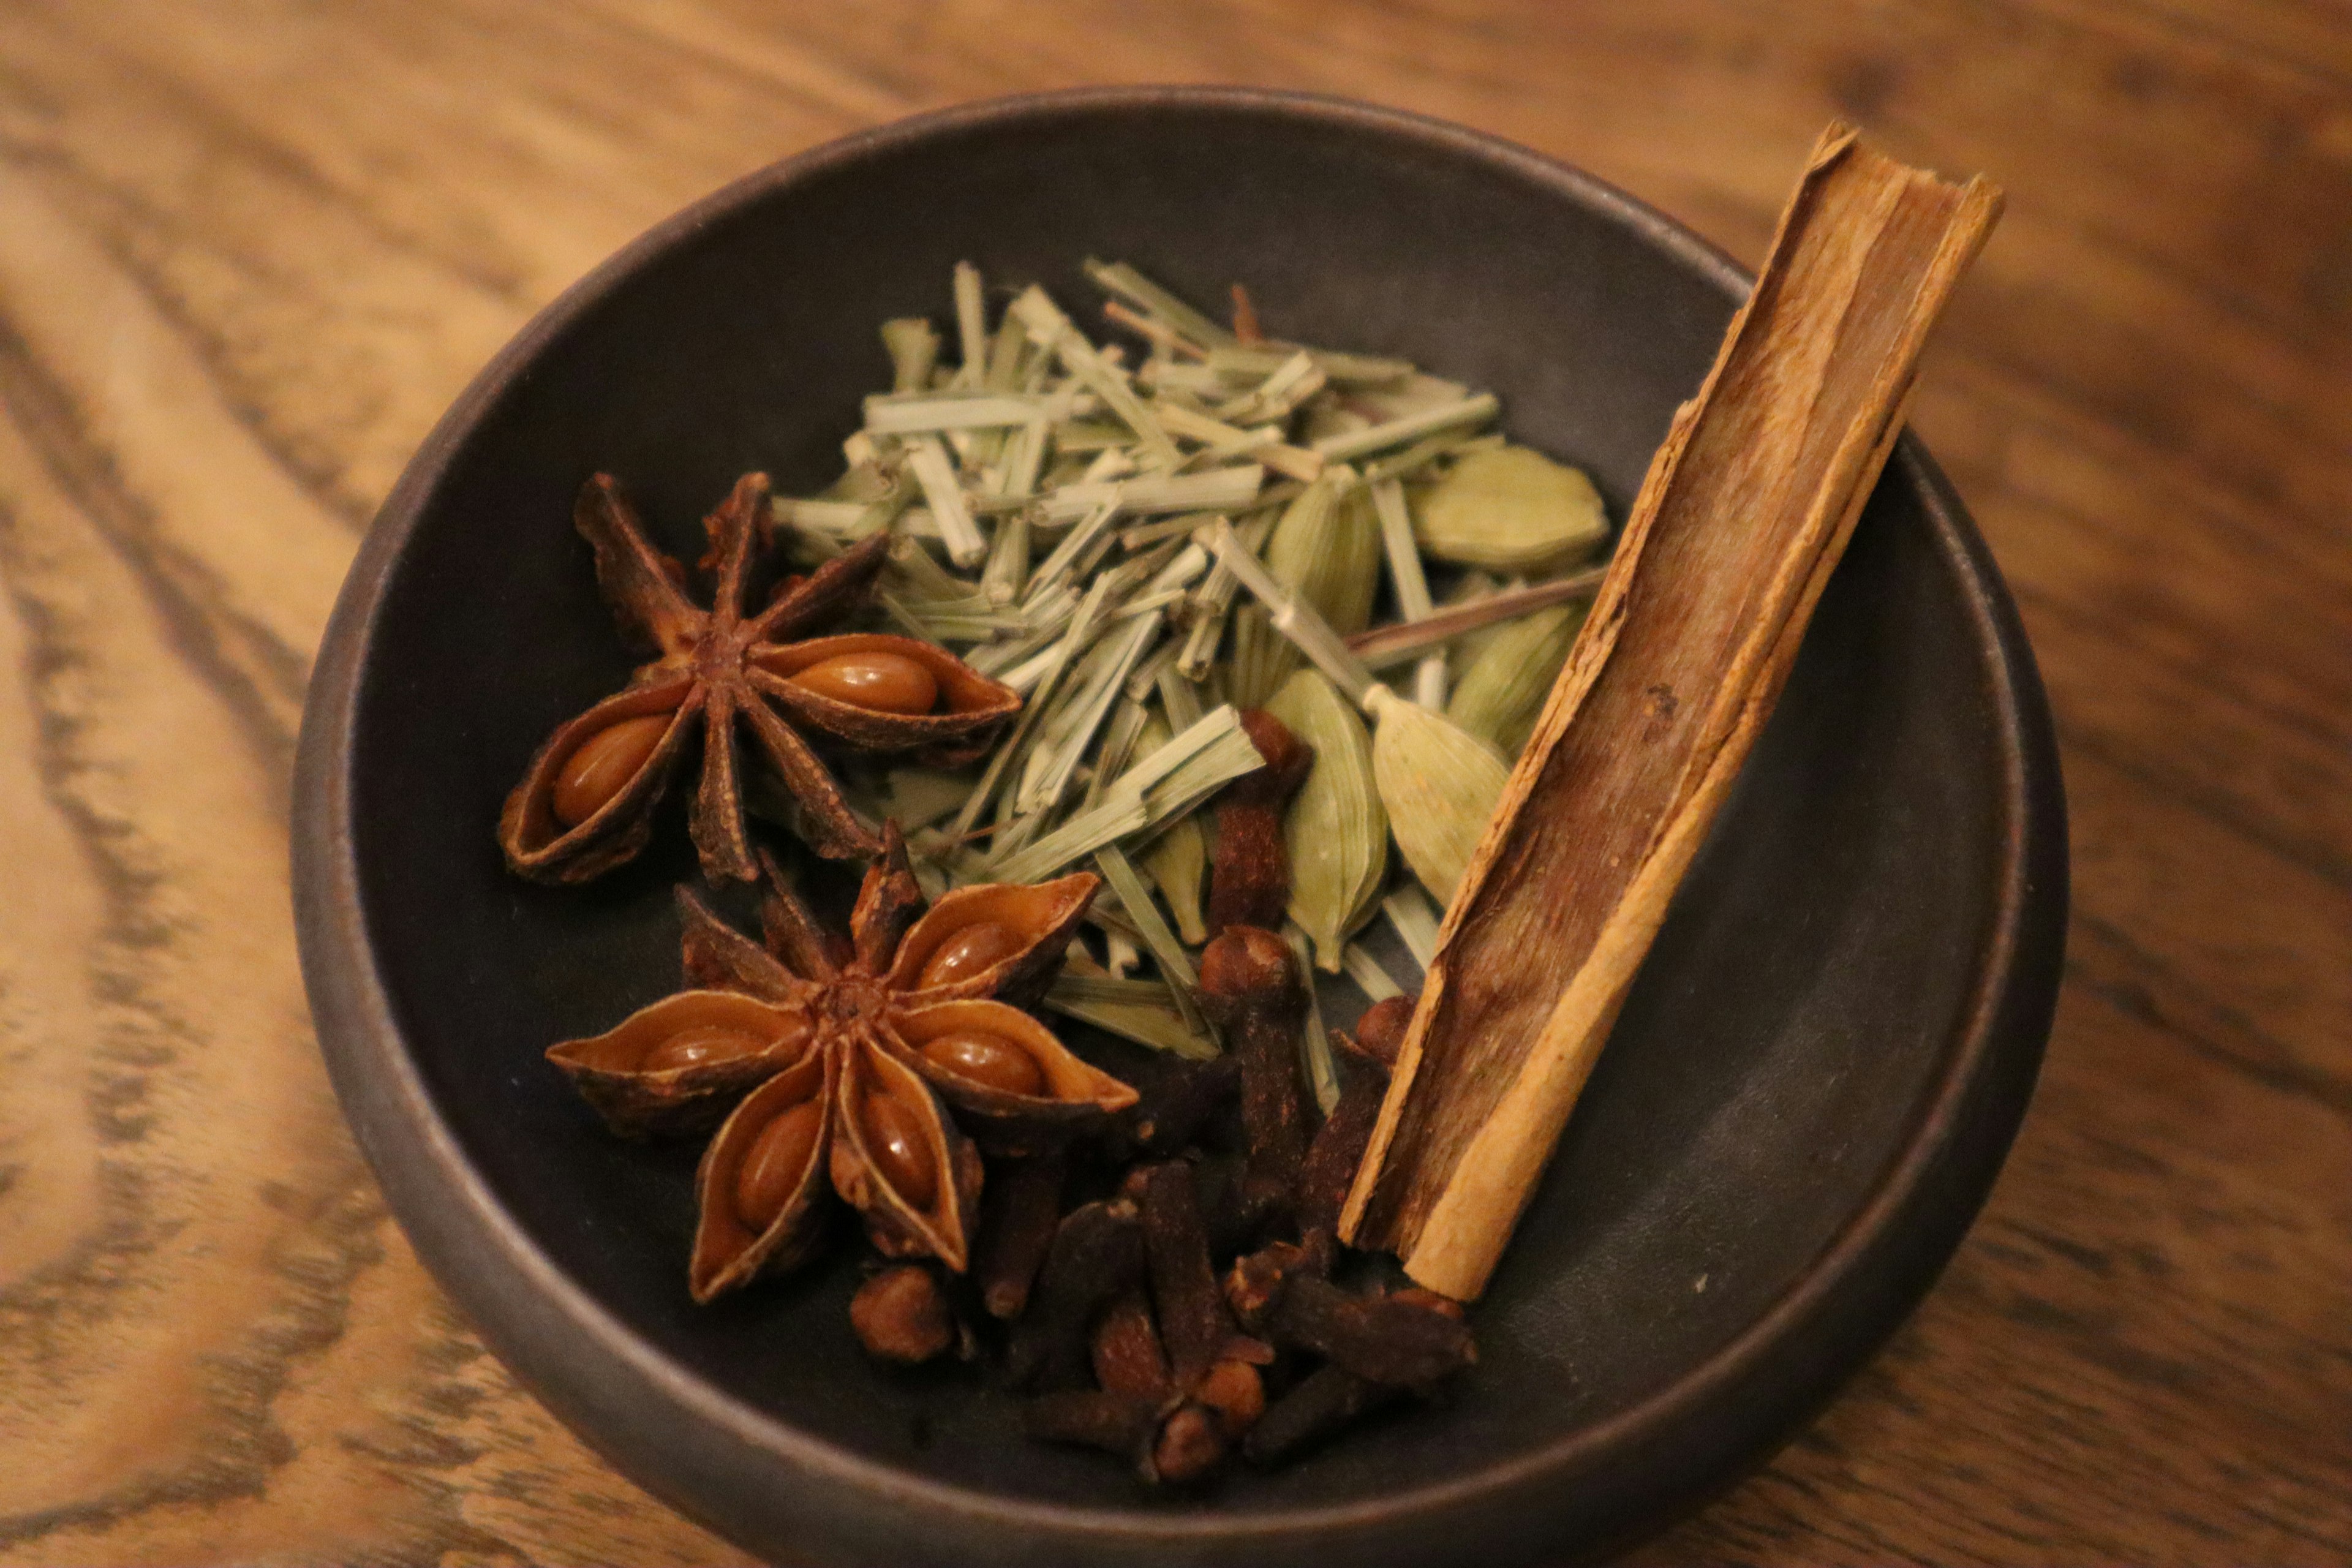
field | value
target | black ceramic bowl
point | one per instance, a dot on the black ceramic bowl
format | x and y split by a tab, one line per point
1806	1098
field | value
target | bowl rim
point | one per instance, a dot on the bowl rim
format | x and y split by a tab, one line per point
1920	1205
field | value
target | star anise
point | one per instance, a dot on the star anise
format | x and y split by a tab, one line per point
848	1049
586	803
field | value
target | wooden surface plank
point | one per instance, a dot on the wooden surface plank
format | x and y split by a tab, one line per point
249	249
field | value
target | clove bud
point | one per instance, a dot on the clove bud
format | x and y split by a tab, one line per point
1249	879
902	1315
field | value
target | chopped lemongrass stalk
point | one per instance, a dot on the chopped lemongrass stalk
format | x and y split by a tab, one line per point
1411	428
1182	526
914	349
972	324
841	518
857	450
1145	680
1167	951
1007	352
1179	701
1215	490
1111	463
1097	708
1376	982
1195	379
1143	1016
1412	584
1173	780
1313	1041
1012	747
1224	440
1078	436
929	460
1278	396
1002	580
913	414
1385	646
1050	327
1404	465
1057	567
1409	911
1164	338
908	621
1213	598
1295	620
1259	363
1118	278
1126	724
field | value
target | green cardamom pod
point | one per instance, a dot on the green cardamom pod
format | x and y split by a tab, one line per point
1335	829
1502	691
1511	508
1325	549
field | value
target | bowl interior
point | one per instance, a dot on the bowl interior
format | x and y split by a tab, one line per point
1784	1033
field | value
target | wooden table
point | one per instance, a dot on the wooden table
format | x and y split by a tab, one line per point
249	249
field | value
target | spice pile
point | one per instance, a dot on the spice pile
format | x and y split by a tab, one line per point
1138	743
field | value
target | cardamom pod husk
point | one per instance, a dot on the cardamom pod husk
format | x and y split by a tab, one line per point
1511	508
1336	828
1325	549
1501	693
1440	783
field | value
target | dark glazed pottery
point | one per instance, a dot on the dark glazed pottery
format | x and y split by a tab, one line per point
1806	1098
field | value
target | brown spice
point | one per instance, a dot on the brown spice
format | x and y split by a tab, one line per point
847	1024
1251	986
1020	1208
1249	879
1748	505
1097	1252
902	1315
586	802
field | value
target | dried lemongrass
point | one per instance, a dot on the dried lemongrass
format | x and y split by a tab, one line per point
1503	690
1322	1074
914	349
1176	971
1373	980
1324	550
1468	411
1334	828
1512	508
1178	860
1411	585
1416	922
927	458
1047	325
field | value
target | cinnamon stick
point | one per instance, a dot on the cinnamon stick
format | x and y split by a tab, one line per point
1745	510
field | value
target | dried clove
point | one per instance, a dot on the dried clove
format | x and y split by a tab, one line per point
1020	1208
1117	1424
1251	986
1253	1285
1194	1319
1249	877
902	1315
1128	1356
1406	1340
1320	1406
1097	1252
1329	1169
1175	1104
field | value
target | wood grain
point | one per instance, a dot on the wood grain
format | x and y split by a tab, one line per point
249	249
